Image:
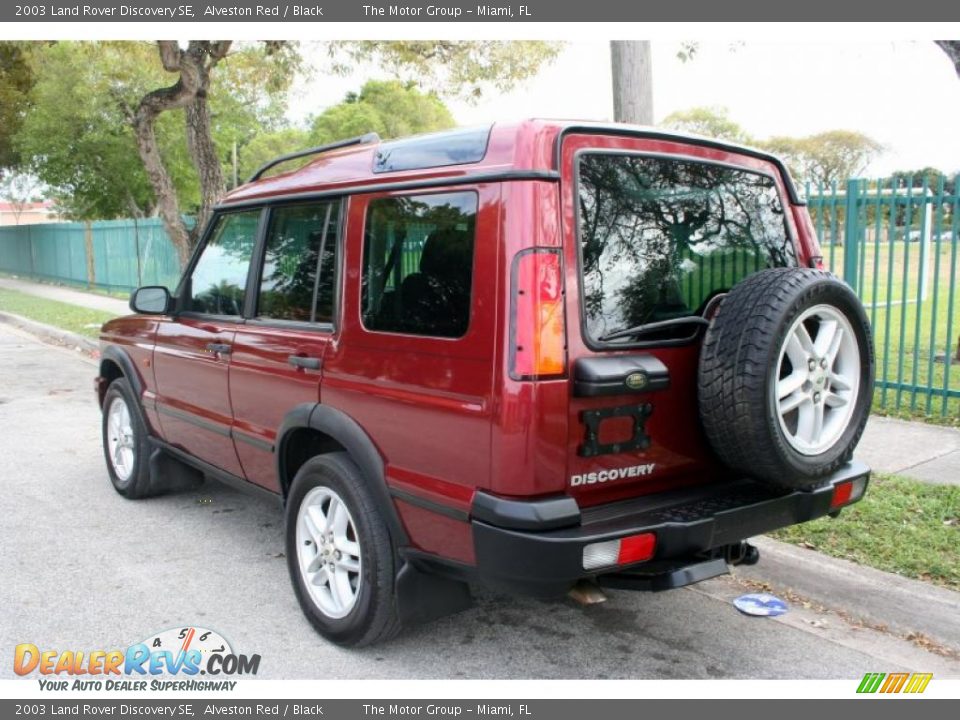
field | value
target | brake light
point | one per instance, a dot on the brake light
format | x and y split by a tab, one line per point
625	551
537	329
848	492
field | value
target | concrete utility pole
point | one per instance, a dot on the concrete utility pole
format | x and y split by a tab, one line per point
632	69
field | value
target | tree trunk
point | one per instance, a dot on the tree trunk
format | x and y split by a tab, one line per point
632	68
204	154
190	93
952	49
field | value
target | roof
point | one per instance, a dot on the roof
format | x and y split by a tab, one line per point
46	205
525	149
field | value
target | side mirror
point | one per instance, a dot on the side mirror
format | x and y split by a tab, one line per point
151	300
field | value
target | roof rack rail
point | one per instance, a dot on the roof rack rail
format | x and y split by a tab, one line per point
371	137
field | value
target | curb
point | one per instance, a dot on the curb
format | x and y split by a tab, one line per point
874	597
52	335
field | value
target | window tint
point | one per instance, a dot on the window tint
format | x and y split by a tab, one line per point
301	242
219	279
418	264
659	237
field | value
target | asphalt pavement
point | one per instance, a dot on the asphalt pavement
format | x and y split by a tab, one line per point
82	568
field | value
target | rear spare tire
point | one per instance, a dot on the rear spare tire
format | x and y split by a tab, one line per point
786	376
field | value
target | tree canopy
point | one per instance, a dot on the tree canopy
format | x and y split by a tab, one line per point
821	158
389	108
712	122
78	140
16	79
116	128
827	157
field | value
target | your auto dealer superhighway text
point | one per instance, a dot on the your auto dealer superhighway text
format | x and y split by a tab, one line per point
180	11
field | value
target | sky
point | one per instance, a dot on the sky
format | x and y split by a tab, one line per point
905	94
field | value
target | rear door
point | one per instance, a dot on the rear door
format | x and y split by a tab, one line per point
656	232
193	348
278	353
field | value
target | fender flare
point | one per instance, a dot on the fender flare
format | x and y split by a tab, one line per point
354	439
111	353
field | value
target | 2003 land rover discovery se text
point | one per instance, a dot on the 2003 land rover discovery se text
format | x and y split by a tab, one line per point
523	355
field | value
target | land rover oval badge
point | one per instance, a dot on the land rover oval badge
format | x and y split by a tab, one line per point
636	381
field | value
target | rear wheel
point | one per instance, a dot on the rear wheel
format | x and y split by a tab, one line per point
786	376
339	553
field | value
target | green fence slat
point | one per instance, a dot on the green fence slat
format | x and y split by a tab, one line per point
918	319
932	347
952	293
891	247
901	349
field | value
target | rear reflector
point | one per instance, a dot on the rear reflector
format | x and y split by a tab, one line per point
848	492
537	329
624	551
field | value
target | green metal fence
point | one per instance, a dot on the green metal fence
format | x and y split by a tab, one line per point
896	243
115	255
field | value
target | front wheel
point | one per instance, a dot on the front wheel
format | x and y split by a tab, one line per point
339	553
126	446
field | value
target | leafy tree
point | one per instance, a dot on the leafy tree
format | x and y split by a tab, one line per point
98	106
458	68
20	190
194	66
712	122
827	157
930	175
78	140
16	79
389	108
265	146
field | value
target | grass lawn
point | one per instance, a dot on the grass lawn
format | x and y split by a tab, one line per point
901	526
82	321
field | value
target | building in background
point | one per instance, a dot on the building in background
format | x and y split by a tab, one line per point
30	213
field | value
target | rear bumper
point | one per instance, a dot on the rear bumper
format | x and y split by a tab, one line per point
537	547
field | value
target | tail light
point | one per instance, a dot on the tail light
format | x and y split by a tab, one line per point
625	551
848	492
537	327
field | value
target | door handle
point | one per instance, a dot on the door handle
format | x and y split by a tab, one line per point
219	348
302	361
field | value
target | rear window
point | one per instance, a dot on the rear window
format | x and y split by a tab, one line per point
418	264
659	237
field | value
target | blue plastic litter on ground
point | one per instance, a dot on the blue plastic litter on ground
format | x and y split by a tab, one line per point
760	604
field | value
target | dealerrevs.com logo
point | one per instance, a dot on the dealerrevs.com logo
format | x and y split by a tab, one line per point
170	660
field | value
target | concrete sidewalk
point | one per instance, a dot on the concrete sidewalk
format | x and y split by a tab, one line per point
917	450
67	295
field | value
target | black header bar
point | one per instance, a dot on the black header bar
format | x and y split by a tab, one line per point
578	11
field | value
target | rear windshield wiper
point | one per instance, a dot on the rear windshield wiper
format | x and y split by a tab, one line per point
649	328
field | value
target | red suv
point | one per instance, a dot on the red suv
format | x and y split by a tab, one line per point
527	354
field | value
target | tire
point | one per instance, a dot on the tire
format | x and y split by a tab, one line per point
785	425
126	444
360	552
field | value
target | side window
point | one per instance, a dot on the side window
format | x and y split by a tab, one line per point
218	282
301	247
418	264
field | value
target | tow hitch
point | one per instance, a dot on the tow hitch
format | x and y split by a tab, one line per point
741	553
670	574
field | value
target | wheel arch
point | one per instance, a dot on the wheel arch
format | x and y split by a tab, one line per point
312	429
115	363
